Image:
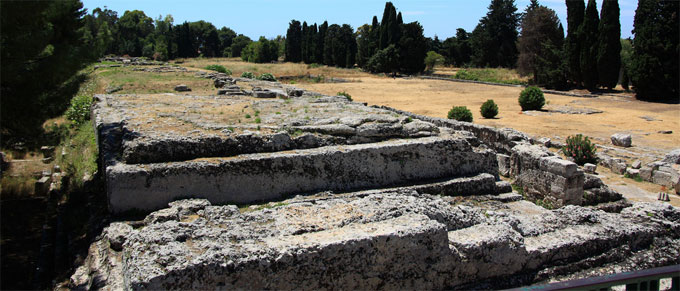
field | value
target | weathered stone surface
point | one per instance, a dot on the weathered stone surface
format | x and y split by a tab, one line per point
116	234
503	164
646	173
622	140
254	177
636	165
545	176
673	157
392	240
590	168
632	172
42	186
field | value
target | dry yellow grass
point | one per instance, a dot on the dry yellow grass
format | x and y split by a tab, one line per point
237	67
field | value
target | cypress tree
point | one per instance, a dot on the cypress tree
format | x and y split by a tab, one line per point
609	50
588	36
572	50
312	43
303	44
654	65
384	25
320	41
393	28
400	20
375	36
294	42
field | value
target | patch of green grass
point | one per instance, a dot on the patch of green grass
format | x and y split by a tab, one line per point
81	154
247	115
635	177
257	113
518	189
409	119
278	112
258	120
499	75
295	132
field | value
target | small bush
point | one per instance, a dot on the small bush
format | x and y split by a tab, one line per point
489	109
531	98
218	68
313	65
343	93
248	75
79	111
580	150
460	113
433	59
267	77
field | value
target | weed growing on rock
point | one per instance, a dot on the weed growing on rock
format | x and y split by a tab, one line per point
489	109
247	115
409	119
248	75
531	98
460	113
580	149
635	177
258	120
343	93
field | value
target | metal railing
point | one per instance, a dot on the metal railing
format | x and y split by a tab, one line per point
634	281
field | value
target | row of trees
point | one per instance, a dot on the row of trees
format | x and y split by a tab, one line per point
389	46
136	34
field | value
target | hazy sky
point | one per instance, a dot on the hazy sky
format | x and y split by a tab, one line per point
270	18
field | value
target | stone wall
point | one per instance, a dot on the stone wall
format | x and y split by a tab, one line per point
257	177
545	176
541	174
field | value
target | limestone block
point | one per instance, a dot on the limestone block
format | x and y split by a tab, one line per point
182	88
622	140
619	167
636	165
589	168
632	172
646	173
503	164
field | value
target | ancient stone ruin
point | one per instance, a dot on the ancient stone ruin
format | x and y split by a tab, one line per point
310	191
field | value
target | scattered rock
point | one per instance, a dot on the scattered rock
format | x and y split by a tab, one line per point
622	140
48	160
589	168
113	89
672	157
544	141
42	186
649	118
636	165
665	131
182	88
632	172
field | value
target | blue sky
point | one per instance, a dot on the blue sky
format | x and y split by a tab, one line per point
270	18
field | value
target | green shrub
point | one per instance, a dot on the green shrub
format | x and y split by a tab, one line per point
79	111
580	150
343	93
460	113
489	109
248	75
433	59
218	68
313	65
531	98
267	77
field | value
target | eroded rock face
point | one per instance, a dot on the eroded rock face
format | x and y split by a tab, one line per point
622	140
374	240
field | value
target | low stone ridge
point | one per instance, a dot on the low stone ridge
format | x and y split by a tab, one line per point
398	239
259	177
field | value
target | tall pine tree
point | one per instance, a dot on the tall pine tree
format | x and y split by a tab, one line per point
303	44
383	25
540	27
320	42
588	41
609	50
494	39
294	42
654	65
572	50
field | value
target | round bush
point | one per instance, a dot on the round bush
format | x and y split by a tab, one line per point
460	113
79	111
267	77
531	99
489	109
248	75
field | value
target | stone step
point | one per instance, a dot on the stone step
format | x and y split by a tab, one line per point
389	250
267	176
